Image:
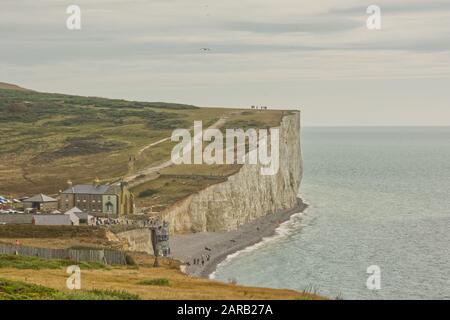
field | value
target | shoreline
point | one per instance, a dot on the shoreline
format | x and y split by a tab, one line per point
219	245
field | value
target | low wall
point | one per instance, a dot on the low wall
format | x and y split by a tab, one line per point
16	218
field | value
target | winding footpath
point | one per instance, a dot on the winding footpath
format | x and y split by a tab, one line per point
151	173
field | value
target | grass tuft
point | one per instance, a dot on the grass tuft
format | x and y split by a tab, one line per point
147	193
155	282
17	290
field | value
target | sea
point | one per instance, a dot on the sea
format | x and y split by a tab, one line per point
378	221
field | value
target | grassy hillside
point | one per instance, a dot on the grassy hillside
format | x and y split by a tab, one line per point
18	290
142	282
10	86
47	139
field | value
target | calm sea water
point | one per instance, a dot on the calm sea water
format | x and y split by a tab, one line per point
378	196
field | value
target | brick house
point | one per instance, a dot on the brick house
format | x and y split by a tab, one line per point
98	200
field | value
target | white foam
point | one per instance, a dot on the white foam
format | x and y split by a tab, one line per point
283	230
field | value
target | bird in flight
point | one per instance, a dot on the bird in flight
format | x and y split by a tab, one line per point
205	49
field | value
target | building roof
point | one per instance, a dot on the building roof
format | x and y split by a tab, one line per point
52	220
93	189
79	214
82	215
40	198
73	210
75	220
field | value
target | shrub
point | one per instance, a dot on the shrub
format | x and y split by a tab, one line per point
36	263
97	294
155	282
130	260
17	290
147	193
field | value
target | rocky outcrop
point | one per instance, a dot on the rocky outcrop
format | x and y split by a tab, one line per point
247	194
138	240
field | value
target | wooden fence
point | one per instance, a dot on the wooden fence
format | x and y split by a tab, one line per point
110	257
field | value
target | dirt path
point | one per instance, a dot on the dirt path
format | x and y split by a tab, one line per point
151	173
152	145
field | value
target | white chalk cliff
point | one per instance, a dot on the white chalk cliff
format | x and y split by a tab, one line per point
247	194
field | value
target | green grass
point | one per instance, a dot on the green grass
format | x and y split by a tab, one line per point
178	182
35	263
244	124
155	282
147	193
48	139
97	294
172	188
17	290
58	232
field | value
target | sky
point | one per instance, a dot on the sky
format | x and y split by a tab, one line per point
317	56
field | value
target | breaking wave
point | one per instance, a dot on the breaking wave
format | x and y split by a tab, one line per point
281	232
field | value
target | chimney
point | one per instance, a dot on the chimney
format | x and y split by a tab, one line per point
69	183
96	182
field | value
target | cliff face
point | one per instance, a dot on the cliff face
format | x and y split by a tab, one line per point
247	194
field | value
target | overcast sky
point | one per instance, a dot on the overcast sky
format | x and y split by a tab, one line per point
317	55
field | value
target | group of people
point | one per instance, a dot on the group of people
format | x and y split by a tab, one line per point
105	221
202	260
99	221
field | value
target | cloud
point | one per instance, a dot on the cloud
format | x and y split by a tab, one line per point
151	49
318	24
402	7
